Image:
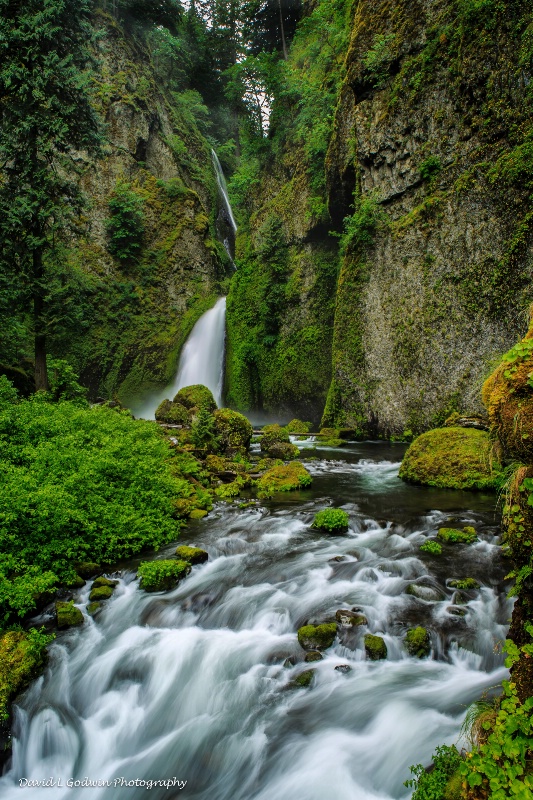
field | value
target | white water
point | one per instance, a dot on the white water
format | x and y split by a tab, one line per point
223	189
201	361
191	684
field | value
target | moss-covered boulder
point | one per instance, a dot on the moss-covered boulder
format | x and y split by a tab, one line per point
197	513
233	430
160	576
99	593
350	619
196	396
467	535
303	680
93	608
67	615
87	569
22	655
317	637
375	647
417	642
194	555
215	463
285	451
276	443
284	478
77	582
101	581
297	426
172	413
452	458
313	655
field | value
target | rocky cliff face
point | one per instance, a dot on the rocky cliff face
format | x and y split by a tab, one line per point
428	172
157	162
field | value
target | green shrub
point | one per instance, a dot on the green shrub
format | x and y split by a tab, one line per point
378	58
331	519
203	430
430	168
431	547
466	536
160	576
468	584
433	785
125	227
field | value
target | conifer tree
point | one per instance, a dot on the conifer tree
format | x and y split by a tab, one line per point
45	117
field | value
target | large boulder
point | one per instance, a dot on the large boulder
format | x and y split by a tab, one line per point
375	647
194	555
233	430
172	413
196	396
452	458
317	637
284	478
68	615
160	576
417	642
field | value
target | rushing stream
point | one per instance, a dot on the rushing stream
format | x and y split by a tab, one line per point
191	684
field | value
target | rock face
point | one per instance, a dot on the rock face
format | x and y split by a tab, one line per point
428	163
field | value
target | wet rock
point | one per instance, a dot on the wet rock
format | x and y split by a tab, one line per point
101	593
344	668
459	599
194	555
76	583
87	569
92	608
303	680
197	513
427	593
104	582
468	584
162	575
317	637
290	661
456	611
313	655
350	619
375	647
68	615
337	559
417	642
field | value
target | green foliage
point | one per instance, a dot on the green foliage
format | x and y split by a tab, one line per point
378	59
125	227
160	576
431	547
466	536
203	431
283	479
359	229
468	584
22	654
432	785
64	382
79	484
417	642
331	519
227	491
430	168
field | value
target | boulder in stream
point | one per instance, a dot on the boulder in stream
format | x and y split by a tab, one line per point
101	581
467	584
68	615
313	655
233	430
417	642
101	593
317	637
160	576
196	396
87	569
284	478
349	619
194	555
375	647
467	535
303	680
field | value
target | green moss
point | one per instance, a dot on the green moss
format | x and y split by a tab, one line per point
68	615
375	647
160	576
466	536
197	513
172	413
331	519
417	642
317	637
467	584
431	547
283	479
197	396
304	679
101	593
452	458
93	607
297	426
87	569
233	430
104	582
273	434
22	655
194	555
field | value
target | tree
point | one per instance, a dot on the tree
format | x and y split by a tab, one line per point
45	117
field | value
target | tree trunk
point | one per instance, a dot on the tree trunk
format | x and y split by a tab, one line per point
41	374
282	31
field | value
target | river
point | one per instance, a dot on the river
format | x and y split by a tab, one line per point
192	684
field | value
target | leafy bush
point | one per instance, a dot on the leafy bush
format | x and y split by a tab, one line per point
125	228
331	519
203	430
432	785
378	58
159	576
79	484
431	547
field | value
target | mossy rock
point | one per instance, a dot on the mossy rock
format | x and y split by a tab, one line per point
68	615
273	435
284	478
466	584
375	647
87	569
285	451
297	426
427	593
93	608
452	458
350	619
196	396
313	655
331	519
76	583
455	536
22	655
417	642
317	637
172	413
331	442
104	582
454	787
215	463
303	680
160	576
101	593
194	555
233	430
330	433
197	513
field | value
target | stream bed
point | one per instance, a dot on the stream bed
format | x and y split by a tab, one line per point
191	685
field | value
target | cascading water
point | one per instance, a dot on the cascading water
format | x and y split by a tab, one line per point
227	213
195	684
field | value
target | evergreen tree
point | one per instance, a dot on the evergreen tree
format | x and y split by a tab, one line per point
45	116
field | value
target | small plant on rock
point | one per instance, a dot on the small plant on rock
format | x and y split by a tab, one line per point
431	547
331	519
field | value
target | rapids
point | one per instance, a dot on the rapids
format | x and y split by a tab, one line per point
192	684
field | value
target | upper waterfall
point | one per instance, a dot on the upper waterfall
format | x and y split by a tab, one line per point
223	191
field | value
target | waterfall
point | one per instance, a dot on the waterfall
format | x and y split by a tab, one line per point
223	189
